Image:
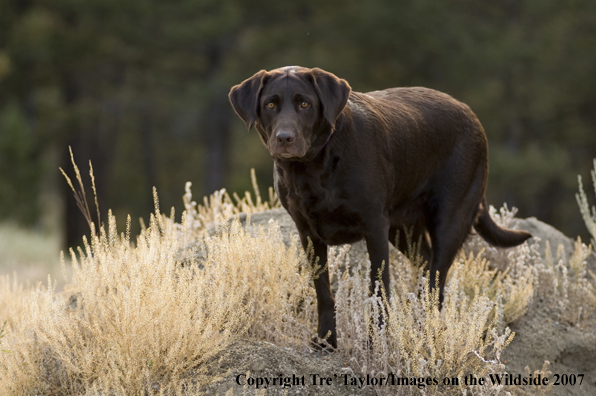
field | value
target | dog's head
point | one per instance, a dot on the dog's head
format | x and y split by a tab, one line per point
293	108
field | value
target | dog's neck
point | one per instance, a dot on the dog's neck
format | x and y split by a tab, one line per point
328	138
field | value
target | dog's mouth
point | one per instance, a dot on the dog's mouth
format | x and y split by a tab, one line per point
291	152
286	155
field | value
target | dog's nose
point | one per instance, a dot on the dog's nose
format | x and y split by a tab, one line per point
285	138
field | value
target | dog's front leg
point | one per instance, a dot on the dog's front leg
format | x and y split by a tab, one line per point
378	252
325	302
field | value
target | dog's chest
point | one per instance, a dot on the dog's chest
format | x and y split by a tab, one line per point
323	209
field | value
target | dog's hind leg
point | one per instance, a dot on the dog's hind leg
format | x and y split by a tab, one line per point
378	251
452	212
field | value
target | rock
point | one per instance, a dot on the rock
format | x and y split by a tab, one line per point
545	232
286	224
359	252
555	237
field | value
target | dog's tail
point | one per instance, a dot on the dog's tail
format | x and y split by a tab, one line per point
495	235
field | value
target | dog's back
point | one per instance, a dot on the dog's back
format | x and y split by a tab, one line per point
418	134
427	118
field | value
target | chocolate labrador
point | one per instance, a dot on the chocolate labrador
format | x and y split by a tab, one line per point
352	166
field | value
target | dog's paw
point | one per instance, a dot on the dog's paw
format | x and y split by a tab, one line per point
328	343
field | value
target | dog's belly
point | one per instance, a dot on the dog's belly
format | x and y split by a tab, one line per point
336	227
339	234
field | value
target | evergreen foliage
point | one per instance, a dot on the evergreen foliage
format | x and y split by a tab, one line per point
139	87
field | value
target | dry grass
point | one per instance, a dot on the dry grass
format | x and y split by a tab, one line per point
13	298
584	208
561	282
566	285
129	319
133	319
200	217
282	307
584	290
418	340
146	315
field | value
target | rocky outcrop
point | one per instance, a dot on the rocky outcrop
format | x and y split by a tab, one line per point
358	251
540	336
546	232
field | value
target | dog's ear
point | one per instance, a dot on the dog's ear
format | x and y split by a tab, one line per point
244	98
333	93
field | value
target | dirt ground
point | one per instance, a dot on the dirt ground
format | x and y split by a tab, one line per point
540	336
569	349
260	360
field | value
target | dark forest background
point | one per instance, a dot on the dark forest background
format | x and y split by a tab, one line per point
140	87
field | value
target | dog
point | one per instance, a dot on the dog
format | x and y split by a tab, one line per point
350	166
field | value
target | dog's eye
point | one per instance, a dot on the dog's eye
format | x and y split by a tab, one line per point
271	105
304	105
